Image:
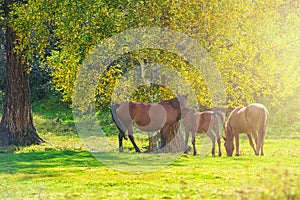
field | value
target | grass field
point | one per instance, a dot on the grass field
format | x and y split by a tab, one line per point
62	168
71	174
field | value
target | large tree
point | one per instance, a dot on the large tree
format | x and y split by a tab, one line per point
16	126
244	38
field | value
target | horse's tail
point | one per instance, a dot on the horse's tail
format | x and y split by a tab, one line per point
116	120
220	117
263	122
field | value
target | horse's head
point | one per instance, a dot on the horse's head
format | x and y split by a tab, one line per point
183	100
228	138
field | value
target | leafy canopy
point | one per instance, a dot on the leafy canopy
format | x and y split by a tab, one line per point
247	41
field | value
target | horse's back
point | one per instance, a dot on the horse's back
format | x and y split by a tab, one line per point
199	121
256	109
130	110
258	106
147	117
206	121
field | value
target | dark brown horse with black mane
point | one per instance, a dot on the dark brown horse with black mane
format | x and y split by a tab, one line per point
147	117
251	120
208	122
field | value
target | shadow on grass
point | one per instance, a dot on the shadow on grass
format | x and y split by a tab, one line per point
136	162
55	162
35	162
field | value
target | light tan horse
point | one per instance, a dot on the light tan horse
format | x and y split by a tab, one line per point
208	122
251	120
147	117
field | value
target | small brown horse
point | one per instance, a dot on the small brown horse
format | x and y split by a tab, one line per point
199	122
147	117
252	119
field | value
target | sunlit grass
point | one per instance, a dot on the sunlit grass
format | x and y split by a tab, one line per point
63	168
50	172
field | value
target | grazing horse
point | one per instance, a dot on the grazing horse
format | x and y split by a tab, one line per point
147	117
252	119
199	122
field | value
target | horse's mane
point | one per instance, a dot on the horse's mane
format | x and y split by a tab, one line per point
174	102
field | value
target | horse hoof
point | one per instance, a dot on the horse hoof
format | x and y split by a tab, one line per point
237	154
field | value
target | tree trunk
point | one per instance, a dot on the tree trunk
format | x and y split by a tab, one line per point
154	142
174	141
16	126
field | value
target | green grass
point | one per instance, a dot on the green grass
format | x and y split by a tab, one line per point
63	168
70	174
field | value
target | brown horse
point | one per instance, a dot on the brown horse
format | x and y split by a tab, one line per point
147	117
252	119
200	122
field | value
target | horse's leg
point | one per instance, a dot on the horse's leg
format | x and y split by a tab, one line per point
194	142
262	149
219	144
257	141
217	131
187	135
163	133
251	142
260	144
121	136
237	144
213	141
120	142
130	135
254	133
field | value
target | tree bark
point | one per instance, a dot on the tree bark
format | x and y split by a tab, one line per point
16	126
154	142
174	141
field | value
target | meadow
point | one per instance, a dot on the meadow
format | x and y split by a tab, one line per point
63	168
